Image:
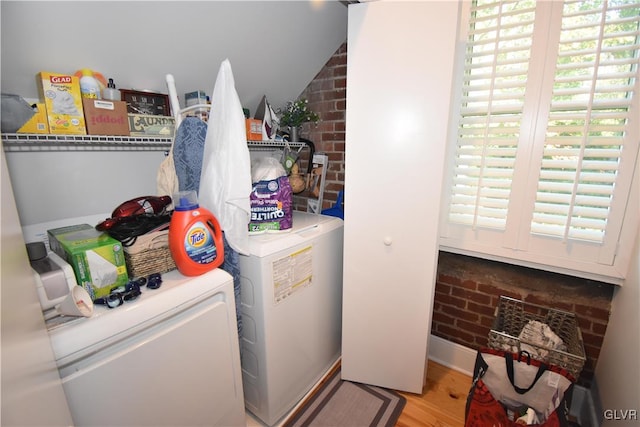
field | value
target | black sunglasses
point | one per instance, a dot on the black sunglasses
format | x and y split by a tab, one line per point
130	291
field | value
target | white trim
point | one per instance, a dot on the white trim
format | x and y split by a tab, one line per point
452	355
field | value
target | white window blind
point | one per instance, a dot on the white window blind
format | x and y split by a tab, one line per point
546	124
593	85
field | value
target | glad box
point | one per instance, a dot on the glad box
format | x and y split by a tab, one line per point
97	258
61	95
105	117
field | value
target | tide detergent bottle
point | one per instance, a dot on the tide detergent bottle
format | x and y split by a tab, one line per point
195	237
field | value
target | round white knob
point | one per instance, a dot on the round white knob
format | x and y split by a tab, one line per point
387	241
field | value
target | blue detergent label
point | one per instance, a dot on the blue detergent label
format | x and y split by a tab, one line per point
199	244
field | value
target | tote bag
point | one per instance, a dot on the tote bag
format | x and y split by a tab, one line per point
512	389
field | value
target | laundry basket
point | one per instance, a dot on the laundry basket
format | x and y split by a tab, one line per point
512	315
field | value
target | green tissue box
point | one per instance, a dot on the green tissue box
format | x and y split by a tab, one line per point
97	259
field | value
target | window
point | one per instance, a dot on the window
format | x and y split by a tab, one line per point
547	133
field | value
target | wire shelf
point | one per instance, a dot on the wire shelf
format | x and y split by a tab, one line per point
49	142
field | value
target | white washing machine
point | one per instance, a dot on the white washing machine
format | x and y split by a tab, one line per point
168	358
291	295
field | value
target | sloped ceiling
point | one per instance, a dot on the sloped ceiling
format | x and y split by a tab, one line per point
275	47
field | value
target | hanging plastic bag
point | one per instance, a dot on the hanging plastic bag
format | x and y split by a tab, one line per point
271	198
225	180
167	179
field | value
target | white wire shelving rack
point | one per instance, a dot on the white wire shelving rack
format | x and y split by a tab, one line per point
48	142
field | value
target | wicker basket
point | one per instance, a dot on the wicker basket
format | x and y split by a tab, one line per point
150	254
511	317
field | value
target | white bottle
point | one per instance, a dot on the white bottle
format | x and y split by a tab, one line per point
110	92
89	86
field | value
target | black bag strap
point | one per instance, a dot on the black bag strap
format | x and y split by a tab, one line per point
510	372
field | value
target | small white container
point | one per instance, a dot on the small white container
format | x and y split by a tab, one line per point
110	92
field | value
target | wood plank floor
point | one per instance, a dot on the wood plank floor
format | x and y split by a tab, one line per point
442	401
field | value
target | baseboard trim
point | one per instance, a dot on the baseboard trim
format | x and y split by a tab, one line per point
452	355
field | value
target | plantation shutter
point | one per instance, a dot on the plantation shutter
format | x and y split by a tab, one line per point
593	86
495	76
547	133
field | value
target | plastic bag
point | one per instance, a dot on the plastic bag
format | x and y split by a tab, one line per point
509	389
271	197
225	180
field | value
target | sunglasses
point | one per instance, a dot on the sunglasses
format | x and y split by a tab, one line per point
130	291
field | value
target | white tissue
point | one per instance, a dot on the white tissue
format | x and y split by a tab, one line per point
103	273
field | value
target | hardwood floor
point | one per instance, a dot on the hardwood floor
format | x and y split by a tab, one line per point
442	401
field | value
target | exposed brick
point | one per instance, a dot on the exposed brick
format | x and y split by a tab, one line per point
472	327
495	290
592	353
333	115
448	300
448	279
592	312
334	157
598	328
317	89
332	189
336	60
469	284
334	94
487	321
549	302
471	296
443	288
487	310
460	314
439	317
340	71
591	339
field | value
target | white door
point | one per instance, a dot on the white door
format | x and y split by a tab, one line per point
399	84
31	389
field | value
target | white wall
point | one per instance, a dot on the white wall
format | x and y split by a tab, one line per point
50	186
618	371
275	47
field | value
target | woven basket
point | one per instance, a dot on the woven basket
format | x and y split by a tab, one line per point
143	263
150	254
511	317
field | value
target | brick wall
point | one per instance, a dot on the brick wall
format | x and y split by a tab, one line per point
327	97
467	289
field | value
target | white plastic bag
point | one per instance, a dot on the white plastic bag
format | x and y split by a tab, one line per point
225	180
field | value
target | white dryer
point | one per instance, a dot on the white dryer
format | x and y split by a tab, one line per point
168	358
291	305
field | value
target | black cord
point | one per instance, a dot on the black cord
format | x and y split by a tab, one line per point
128	230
